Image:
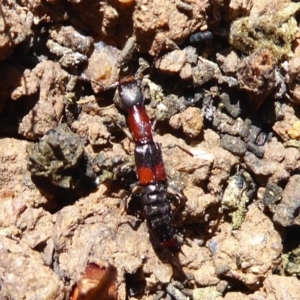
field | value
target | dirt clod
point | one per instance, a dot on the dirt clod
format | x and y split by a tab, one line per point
220	81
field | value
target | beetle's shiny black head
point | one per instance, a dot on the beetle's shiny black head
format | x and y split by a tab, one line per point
130	94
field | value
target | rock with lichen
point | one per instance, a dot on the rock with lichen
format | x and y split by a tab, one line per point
274	32
58	156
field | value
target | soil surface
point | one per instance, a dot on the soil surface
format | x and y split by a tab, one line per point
221	83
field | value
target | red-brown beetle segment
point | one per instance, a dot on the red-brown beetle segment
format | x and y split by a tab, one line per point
140	125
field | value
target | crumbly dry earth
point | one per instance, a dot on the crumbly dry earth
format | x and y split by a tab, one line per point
228	126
